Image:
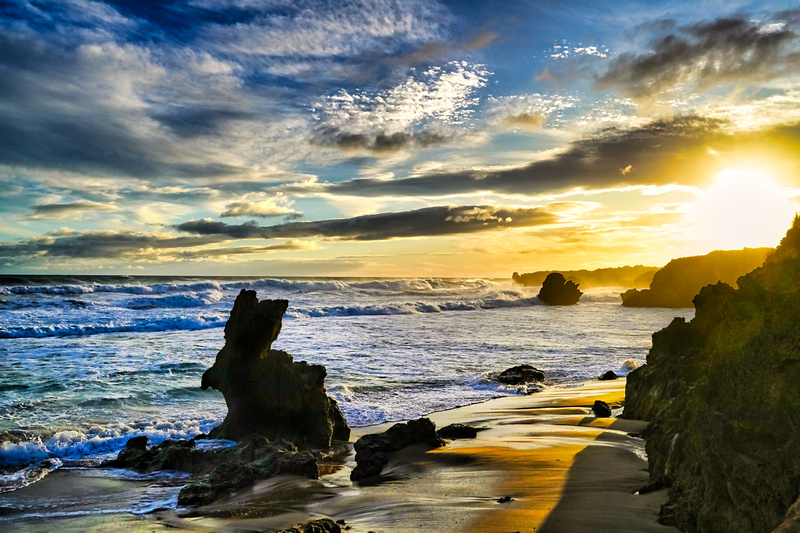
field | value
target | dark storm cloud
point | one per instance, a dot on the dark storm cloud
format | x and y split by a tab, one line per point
96	244
59	113
425	222
380	142
68	210
591	162
707	54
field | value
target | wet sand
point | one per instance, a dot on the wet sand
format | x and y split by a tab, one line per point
564	469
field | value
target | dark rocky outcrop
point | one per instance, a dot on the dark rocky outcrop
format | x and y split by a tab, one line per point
458	431
627	276
265	390
556	290
226	470
169	455
608	375
521	375
722	393
601	409
258	460
323	525
676	284
372	450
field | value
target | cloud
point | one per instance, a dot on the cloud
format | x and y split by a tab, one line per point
704	55
423	110
425	222
662	151
103	244
221	253
277	206
68	210
314	28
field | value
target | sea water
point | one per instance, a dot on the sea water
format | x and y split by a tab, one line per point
88	362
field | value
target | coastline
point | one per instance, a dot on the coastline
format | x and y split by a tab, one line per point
564	469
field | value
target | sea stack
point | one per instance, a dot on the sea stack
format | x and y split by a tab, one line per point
266	391
556	290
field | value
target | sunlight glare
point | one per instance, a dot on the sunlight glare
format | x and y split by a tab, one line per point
742	208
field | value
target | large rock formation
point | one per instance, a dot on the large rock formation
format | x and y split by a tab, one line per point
722	393
556	290
266	392
676	284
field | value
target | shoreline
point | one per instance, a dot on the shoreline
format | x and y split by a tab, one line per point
564	469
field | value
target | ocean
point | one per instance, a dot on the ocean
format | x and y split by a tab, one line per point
88	362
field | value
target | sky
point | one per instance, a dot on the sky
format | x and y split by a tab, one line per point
393	137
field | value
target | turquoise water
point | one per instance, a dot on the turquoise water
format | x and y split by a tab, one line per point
88	363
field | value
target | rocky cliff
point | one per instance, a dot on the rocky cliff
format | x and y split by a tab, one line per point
676	284
722	393
266	391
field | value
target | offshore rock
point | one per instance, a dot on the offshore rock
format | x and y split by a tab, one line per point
371	450
608	375
556	290
520	375
265	390
722	396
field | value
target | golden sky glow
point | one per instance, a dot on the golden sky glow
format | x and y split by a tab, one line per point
385	138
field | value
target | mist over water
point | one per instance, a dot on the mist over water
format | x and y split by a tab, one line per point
90	362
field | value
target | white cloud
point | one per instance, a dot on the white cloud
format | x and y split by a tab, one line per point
439	95
310	28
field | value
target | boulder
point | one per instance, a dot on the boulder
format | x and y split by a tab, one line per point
458	431
323	525
371	450
266	391
520	375
601	409
556	290
608	375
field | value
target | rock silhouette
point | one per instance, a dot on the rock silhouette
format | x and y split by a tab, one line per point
676	284
722	396
267	393
556	290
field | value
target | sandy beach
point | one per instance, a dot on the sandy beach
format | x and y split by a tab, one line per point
564	469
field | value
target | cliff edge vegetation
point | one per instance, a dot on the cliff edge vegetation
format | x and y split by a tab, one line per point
676	284
722	394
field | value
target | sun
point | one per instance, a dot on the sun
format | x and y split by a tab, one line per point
742	208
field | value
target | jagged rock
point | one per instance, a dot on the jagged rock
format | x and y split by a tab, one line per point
556	290
323	525
608	375
371	450
458	431
169	455
520	375
721	393
244	466
265	390
601	409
